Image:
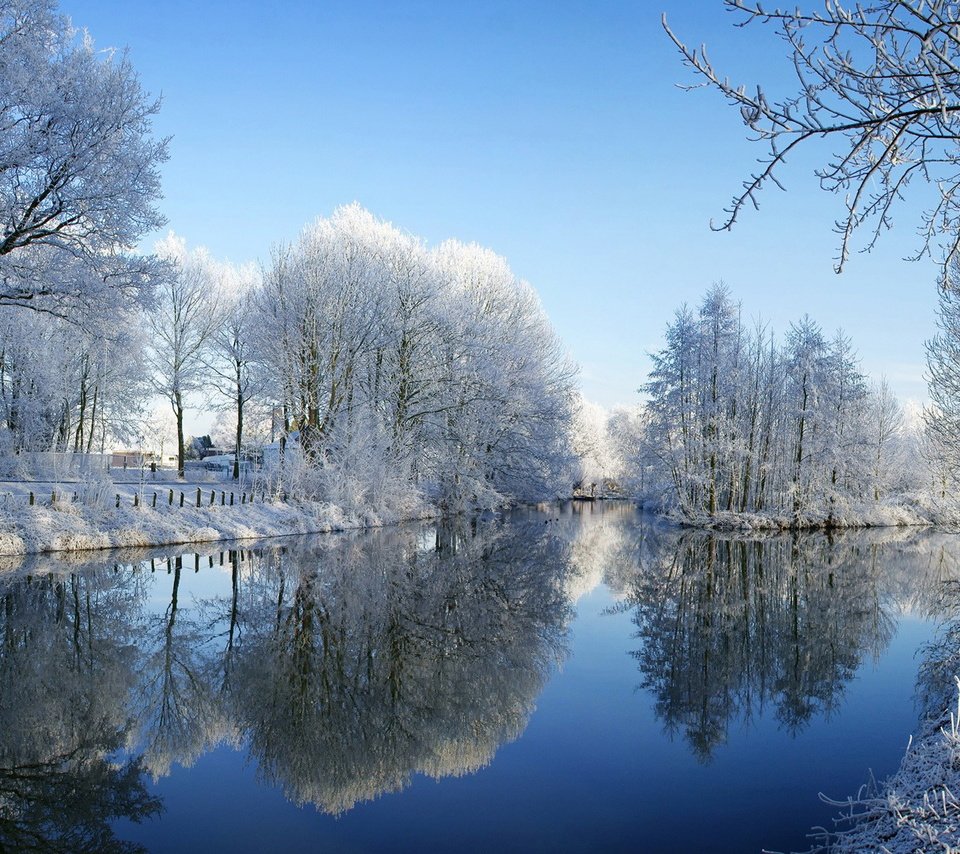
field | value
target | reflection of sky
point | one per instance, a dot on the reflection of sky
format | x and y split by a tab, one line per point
592	771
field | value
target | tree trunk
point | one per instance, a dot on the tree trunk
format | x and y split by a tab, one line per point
178	414
236	459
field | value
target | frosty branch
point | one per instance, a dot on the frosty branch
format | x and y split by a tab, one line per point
882	81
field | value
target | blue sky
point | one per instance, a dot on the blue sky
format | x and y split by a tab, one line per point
552	132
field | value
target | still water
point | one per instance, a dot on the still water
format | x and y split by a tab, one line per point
578	678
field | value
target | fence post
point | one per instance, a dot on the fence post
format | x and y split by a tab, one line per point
231	499
213	496
31	499
136	499
118	499
181	499
154	499
198	496
223	498
170	500
53	497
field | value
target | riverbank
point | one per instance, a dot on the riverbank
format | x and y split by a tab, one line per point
65	526
914	810
916	512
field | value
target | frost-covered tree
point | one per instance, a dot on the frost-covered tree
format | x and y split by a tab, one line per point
942	417
879	81
79	169
889	452
596	454
181	326
737	423
229	353
404	370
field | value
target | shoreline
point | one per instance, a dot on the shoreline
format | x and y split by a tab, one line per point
63	526
46	529
915	808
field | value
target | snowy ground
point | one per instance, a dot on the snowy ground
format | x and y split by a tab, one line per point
90	516
914	810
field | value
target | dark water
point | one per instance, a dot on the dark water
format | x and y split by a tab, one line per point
581	680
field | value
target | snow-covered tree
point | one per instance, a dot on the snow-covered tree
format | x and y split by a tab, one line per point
739	424
229	351
79	170
181	325
879	80
397	365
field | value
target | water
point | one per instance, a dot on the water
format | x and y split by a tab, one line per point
574	680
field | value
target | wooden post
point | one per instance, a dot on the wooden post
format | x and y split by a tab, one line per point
198	496
154	499
181	499
170	500
136	499
231	499
31	499
213	496
118	499
223	498
53	497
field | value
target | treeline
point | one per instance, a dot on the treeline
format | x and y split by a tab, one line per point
738	422
397	364
388	371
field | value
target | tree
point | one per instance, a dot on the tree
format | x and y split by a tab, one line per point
942	417
229	354
79	171
881	81
181	326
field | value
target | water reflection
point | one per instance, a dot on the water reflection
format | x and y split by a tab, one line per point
728	626
66	661
343	664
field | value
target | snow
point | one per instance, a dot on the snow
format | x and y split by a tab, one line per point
64	526
915	809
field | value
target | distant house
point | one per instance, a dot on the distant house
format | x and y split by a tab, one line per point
271	452
132	459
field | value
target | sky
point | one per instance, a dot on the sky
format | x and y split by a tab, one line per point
554	133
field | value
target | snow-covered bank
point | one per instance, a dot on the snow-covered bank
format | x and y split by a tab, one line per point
76	527
914	810
902	511
917	808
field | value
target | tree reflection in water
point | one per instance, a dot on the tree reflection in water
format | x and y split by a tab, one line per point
345	664
729	625
67	658
376	659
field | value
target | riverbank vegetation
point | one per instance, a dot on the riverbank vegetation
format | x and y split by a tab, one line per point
744	428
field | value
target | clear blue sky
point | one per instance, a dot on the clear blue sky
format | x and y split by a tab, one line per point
552	132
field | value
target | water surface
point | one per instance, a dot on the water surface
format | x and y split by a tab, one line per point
576	678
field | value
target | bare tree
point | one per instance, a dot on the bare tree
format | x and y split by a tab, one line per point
228	358
181	326
79	171
882	81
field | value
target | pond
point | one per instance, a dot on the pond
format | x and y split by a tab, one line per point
571	678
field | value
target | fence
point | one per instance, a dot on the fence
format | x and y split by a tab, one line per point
148	498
